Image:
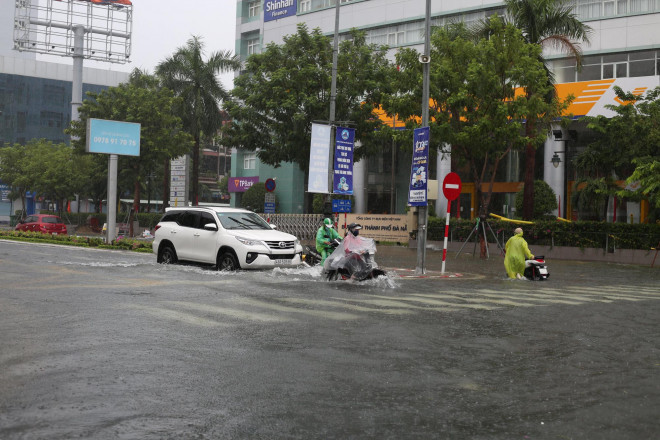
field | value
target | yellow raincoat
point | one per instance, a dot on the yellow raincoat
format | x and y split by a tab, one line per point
516	254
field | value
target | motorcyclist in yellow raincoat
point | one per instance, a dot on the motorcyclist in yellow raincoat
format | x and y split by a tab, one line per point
516	254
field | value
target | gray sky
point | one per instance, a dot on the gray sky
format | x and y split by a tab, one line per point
162	26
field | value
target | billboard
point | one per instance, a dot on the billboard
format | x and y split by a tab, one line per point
241	184
276	9
112	137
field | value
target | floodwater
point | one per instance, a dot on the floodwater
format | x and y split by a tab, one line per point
101	344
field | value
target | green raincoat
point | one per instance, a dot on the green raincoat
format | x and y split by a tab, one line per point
516	254
324	236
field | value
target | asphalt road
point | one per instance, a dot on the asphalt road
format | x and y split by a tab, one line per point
105	344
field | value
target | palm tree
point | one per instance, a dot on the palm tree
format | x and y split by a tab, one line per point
547	23
196	82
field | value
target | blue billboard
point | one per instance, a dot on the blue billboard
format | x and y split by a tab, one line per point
113	137
276	9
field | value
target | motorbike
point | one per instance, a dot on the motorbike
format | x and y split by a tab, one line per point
536	269
312	257
358	265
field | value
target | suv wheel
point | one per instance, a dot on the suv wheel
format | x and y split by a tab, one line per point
227	261
167	255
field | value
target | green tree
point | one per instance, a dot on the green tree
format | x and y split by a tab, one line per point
545	200
143	101
474	105
196	82
254	198
287	86
12	172
548	23
625	142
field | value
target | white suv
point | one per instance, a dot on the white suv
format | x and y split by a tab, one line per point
229	238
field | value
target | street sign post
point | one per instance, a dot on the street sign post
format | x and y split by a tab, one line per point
451	188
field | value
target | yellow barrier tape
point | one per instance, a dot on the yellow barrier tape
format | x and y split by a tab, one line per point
520	222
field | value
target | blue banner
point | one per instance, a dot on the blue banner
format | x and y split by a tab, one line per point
343	171
417	195
275	9
341	205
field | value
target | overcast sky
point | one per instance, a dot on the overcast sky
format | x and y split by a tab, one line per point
162	26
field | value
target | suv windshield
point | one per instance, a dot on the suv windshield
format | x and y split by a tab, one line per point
242	220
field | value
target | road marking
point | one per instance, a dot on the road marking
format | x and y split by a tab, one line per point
233	313
422	298
339	303
186	318
280	308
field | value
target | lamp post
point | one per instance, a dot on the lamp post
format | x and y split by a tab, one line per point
555	161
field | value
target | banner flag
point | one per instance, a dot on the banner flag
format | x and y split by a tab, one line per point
343	171
319	159
417	195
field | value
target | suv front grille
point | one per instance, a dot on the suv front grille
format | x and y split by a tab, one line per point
280	245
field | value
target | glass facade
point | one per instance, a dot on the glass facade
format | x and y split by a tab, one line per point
35	108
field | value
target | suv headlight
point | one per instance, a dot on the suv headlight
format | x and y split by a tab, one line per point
251	242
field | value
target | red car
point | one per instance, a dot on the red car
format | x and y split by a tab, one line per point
44	223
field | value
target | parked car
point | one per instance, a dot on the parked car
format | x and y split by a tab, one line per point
44	223
229	238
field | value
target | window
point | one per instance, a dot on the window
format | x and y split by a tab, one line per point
249	161
188	219
395	39
206	219
254	8
617	65
252	46
305	6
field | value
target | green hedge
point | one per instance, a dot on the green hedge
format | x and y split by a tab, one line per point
72	240
145	219
555	233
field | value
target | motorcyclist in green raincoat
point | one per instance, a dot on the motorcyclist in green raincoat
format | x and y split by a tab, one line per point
324	237
516	254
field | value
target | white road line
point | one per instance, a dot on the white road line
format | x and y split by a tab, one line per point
232	313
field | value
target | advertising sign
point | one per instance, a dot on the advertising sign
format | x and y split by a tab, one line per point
319	159
4	192
275	9
343	171
112	137
241	184
417	195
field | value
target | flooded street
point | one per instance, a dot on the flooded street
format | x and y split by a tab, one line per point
105	344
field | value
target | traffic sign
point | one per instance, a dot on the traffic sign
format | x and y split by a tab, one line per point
269	208
270	185
341	205
451	186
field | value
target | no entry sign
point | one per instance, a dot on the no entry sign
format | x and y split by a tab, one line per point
451	186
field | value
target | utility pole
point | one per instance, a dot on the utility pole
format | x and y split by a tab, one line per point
422	211
333	102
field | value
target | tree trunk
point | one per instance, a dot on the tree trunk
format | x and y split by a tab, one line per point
136	202
195	172
530	164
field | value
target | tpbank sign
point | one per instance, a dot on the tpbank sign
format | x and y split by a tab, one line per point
275	9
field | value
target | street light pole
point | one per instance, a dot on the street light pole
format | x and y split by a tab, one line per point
422	211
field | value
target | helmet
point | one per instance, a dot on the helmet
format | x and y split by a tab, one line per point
354	227
327	221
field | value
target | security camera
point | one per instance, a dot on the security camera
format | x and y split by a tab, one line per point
424	59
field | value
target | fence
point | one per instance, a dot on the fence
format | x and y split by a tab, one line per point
303	226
